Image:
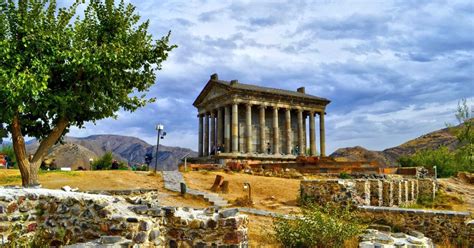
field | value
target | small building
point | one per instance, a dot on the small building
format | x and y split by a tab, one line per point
242	121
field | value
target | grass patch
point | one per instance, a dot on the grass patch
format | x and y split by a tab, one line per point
66	173
442	201
10	179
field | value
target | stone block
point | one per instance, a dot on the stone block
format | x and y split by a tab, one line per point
140	238
145	225
110	239
228	212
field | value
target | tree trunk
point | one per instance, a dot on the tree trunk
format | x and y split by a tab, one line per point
29	168
20	151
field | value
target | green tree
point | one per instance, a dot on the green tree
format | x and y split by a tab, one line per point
465	135
104	162
60	69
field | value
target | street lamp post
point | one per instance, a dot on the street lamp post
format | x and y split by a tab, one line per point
161	135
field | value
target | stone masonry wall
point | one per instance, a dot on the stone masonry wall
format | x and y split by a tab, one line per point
367	192
437	225
59	218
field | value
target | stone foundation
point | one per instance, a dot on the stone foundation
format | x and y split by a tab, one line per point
61	218
435	224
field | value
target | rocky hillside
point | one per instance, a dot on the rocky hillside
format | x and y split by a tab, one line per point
433	140
76	152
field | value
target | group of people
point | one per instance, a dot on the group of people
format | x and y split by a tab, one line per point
217	149
5	160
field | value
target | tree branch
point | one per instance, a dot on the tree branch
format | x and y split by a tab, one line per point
50	140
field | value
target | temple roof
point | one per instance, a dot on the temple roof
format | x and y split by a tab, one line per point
234	85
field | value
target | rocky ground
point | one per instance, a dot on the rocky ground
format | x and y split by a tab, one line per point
462	189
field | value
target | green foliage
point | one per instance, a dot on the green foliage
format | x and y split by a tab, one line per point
123	166
344	175
104	162
326	226
447	162
59	68
57	64
141	167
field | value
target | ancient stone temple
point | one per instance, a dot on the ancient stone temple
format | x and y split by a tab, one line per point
251	122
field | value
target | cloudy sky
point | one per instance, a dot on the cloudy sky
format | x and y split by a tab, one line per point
393	70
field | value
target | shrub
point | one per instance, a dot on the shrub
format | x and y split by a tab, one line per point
326	226
448	163
344	175
104	162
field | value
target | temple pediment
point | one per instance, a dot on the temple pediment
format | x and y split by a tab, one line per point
211	91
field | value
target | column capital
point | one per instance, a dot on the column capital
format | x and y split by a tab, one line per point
248	104
212	114
262	106
275	107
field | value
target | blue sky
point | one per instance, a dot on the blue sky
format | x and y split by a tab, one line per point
393	70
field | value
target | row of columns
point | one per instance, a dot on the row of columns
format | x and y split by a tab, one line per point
230	135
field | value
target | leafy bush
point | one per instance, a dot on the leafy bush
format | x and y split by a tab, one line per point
104	162
344	175
446	161
123	166
326	226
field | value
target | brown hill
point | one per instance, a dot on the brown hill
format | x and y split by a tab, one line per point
433	140
124	148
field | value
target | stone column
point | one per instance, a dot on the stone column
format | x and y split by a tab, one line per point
322	134
312	134
248	122
305	141
206	135
227	129
276	132
288	131
220	129
213	131
201	138
301	128
235	127
263	146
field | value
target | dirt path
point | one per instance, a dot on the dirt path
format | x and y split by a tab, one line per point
460	188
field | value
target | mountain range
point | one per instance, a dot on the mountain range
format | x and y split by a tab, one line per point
76	152
390	156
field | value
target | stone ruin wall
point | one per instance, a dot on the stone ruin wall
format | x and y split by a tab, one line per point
65	218
378	201
436	224
368	192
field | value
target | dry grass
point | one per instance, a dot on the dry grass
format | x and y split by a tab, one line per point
261	232
88	180
106	180
269	193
